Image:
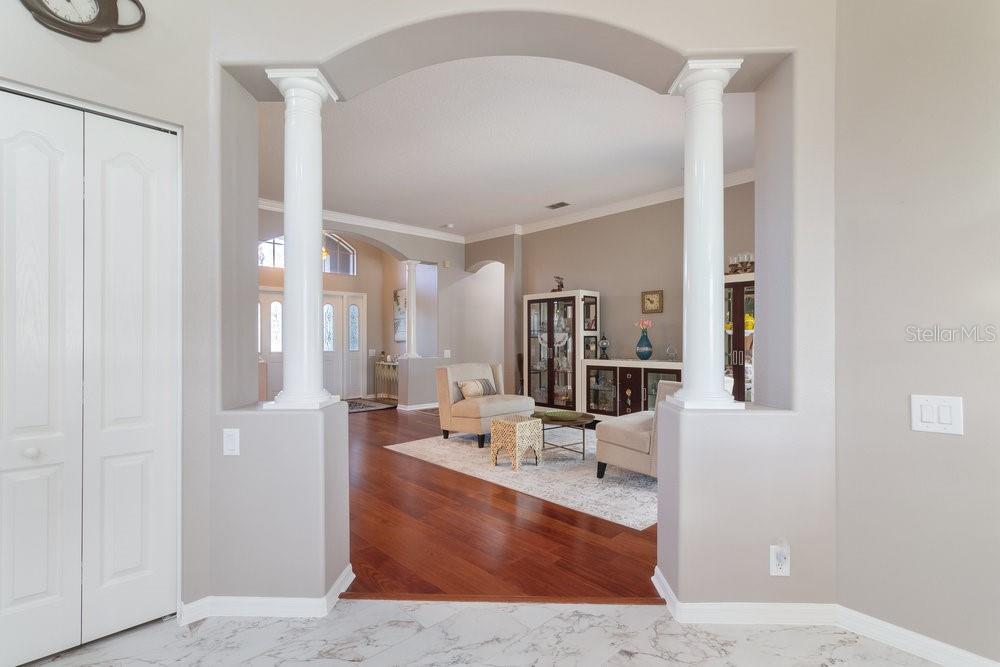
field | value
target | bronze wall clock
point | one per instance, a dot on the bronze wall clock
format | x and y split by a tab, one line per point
90	20
652	301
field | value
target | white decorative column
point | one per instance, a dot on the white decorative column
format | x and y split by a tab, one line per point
701	82
304	91
411	308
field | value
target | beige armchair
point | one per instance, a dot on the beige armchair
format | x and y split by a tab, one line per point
474	415
629	441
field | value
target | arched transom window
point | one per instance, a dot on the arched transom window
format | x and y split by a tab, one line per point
339	256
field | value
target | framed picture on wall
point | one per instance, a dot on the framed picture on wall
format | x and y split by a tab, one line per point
399	315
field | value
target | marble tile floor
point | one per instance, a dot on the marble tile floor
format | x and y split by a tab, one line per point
385	632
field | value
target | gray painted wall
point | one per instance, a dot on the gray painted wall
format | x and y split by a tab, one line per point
918	227
288	484
508	251
734	482
238	244
622	255
146	73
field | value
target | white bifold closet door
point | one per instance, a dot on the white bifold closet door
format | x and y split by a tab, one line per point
41	367
131	363
89	379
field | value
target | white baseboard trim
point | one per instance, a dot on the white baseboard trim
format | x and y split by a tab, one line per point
662	587
796	613
342	583
744	613
419	406
907	640
224	605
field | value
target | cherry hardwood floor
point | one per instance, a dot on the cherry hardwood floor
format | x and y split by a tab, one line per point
420	531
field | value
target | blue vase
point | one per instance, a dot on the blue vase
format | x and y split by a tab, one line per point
644	348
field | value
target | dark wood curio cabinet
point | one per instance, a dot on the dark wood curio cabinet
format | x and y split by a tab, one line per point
560	331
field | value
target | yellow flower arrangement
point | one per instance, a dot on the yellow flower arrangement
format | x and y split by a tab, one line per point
748	323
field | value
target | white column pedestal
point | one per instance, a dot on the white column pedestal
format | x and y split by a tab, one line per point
411	309
304	91
701	83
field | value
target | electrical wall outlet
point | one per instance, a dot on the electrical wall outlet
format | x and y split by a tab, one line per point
447	354
781	560
372	353
230	442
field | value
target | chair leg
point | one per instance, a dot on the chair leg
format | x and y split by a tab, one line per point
482	440
444	433
601	468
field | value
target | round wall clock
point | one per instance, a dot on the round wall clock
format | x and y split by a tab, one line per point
90	20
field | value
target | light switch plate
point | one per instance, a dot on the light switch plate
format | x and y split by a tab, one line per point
372	353
230	442
936	414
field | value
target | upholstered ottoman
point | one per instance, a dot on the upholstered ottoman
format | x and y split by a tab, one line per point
515	435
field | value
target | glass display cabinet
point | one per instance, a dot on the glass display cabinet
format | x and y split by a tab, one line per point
602	390
623	386
650	380
558	328
740	323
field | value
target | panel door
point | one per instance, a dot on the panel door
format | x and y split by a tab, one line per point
355	353
41	319
131	363
334	330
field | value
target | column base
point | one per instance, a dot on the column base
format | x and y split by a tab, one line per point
724	402
315	401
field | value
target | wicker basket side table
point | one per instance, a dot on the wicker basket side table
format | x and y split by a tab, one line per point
516	435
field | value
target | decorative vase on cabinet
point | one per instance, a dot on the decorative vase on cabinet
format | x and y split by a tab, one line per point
644	348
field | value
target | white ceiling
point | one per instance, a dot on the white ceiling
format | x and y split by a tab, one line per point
487	142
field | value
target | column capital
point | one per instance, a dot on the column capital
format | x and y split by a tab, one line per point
309	78
412	262
705	69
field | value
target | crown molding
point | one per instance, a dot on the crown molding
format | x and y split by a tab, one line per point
659	197
495	233
370	223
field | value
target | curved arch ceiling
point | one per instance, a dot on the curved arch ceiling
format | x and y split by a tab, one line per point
488	142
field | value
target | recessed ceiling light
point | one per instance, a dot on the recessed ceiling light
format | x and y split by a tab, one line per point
558	204
450	225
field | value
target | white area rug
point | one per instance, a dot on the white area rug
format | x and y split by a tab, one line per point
623	496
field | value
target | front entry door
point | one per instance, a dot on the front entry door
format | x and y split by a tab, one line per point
41	363
333	344
344	357
271	320
354	351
